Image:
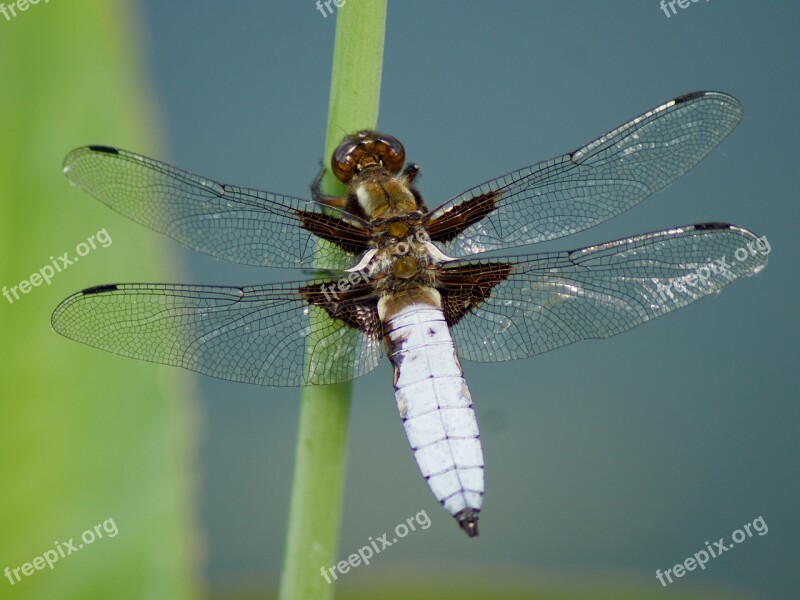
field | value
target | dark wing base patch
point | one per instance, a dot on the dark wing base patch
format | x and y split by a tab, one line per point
458	217
353	240
466	287
355	307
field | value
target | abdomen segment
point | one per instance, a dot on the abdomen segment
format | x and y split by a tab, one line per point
436	409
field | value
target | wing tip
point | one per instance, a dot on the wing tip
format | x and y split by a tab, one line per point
731	103
80	150
714	225
719	226
99	289
103	149
66	303
688	97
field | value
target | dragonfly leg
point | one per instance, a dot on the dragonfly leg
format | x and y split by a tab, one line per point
411	171
318	196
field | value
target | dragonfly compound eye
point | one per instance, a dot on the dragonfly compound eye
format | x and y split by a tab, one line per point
365	149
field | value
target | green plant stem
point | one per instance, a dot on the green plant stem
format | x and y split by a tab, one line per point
319	470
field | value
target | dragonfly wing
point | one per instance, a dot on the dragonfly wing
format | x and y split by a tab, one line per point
509	308
236	224
257	334
594	183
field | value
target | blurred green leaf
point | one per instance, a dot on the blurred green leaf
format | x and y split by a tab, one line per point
84	436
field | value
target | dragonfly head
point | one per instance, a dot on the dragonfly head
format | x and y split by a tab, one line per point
365	149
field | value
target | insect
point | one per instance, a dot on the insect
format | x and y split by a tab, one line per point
400	277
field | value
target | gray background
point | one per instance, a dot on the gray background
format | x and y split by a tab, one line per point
612	457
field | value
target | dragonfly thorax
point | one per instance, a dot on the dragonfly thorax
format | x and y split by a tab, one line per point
397	262
380	195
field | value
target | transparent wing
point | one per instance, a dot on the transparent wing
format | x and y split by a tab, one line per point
553	299
236	224
251	334
601	180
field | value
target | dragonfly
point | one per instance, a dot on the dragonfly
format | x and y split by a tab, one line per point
423	285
